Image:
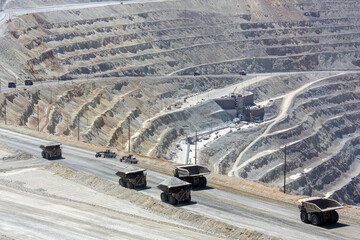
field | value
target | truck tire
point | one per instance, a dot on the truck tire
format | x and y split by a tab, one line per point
315	219
164	197
47	156
202	182
121	182
129	185
145	183
172	200
43	154
304	216
334	217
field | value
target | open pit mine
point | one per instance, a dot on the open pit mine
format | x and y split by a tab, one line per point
237	86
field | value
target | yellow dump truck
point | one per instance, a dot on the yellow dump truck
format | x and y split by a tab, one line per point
51	151
132	177
175	190
193	174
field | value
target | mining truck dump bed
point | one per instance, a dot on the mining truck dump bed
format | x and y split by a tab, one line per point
128	171
318	210
318	204
193	174
172	182
191	170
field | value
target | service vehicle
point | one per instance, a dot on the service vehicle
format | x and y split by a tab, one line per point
129	159
28	82
106	154
11	85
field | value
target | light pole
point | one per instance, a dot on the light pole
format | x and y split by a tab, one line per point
285	170
38	118
78	123
195	146
5	111
129	134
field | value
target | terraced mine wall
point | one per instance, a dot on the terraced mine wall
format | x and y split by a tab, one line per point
149	52
13	4
183	37
101	109
321	131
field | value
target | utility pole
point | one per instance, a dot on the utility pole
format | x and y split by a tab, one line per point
5	111
129	133
285	171
50	96
38	118
195	146
78	123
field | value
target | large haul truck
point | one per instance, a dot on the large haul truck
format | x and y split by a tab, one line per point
175	190
51	151
193	174
318	210
132	177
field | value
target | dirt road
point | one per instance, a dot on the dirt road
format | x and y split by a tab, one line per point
279	220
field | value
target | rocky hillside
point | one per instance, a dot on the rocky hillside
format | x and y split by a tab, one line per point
148	52
320	129
101	111
180	37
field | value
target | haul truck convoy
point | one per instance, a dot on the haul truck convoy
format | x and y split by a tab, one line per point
318	210
193	174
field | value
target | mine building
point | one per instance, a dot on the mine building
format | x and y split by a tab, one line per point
241	105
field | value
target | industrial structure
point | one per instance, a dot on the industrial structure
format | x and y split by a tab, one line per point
242	105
